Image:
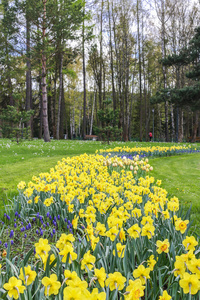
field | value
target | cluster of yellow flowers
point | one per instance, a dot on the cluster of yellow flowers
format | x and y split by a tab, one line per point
110	207
141	150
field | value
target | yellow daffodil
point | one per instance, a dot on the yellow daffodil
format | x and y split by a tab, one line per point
181	225
29	275
21	185
14	287
148	230
151	262
162	246
190	284
95	295
194	266
135	290
68	249
51	284
120	250
165	296
71	293
190	243
142	273
112	233
42	249
70	276
100	275
115	281
179	267
134	231
88	260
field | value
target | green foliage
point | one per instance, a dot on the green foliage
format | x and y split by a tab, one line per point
13	122
188	95
109	118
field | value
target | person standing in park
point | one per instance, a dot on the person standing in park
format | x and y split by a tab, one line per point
150	136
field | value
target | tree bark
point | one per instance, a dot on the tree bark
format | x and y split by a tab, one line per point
140	69
28	75
60	97
84	82
195	127
111	61
44	83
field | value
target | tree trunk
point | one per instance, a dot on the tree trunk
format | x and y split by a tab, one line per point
40	106
196	124
111	61
101	56
173	125
53	105
60	97
62	114
28	76
84	82
92	115
44	84
140	69
163	39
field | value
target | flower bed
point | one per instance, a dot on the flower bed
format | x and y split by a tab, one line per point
154	151
98	228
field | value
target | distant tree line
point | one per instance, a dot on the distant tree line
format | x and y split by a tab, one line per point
114	68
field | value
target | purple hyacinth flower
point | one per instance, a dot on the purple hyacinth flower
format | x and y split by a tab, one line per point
11	233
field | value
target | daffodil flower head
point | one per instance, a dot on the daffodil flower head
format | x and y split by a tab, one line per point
29	275
51	284
162	246
14	287
115	281
100	275
165	296
190	284
135	290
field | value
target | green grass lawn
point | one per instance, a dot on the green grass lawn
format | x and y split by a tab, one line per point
180	175
22	161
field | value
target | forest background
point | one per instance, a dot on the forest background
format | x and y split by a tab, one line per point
114	68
